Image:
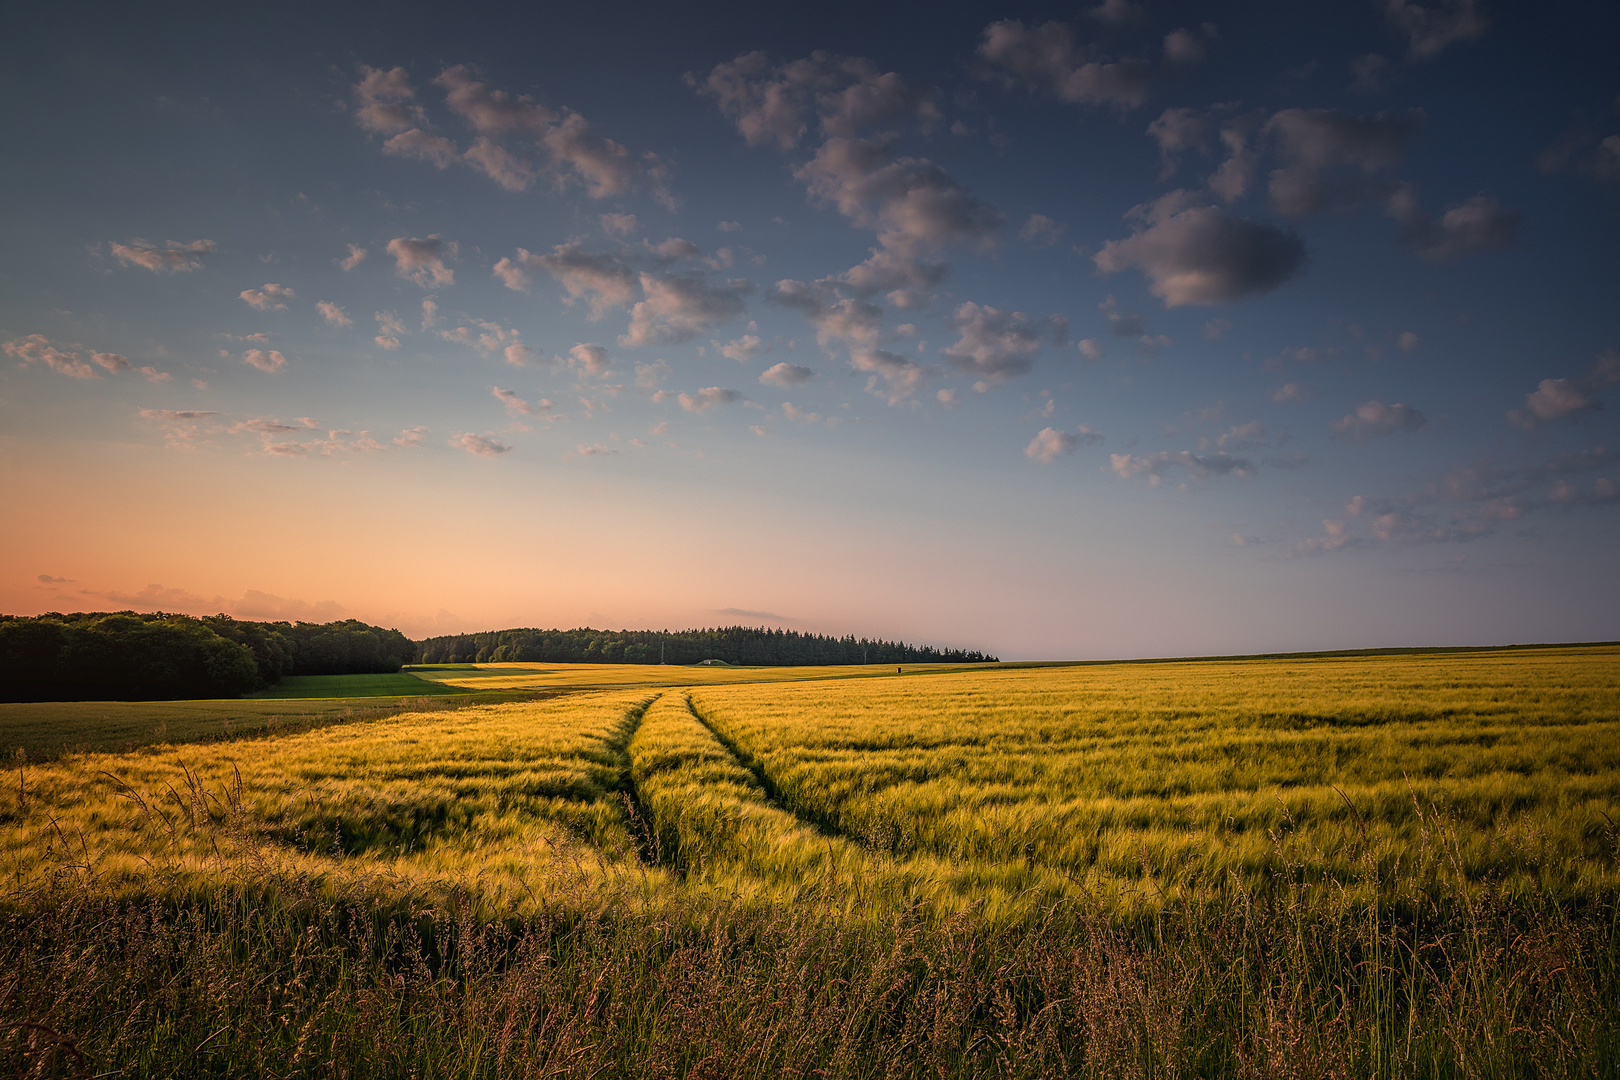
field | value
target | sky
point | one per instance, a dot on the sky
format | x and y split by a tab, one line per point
1059	332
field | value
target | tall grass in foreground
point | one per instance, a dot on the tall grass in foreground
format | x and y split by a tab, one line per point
281	976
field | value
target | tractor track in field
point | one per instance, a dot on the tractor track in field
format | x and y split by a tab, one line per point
637	823
818	822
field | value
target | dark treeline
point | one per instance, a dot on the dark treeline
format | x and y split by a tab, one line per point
733	644
125	655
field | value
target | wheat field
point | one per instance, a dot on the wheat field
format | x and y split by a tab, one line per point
1357	865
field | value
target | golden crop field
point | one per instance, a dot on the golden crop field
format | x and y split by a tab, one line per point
1400	865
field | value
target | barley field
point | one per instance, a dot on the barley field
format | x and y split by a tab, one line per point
1399	865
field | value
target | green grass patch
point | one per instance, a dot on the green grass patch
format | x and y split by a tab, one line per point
354	686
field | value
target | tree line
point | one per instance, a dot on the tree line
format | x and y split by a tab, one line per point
747	645
131	656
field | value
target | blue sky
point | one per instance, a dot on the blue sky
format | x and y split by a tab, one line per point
1131	329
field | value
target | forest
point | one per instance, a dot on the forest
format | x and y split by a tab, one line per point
746	645
125	655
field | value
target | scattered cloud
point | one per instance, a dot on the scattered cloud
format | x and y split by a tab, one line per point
422	260
37	349
1316	145
1204	254
1374	418
774	104
411	437
1157	465
516	405
1183	47
1041	230
998	344
1292	393
356	256
617	224
480	445
679	307
1090	349
270	298
589	359
708	398
1558	399
913	204
1045	59
47	579
744	348
900	377
1049	444
1429	28
172	258
786	375
600	279
265	360
1473	225
333	313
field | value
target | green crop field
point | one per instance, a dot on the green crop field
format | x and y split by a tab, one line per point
1393	865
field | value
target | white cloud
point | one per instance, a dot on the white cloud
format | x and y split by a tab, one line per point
37	349
519	355
422	260
600	279
511	273
356	256
1117	13
480	445
908	279
1556	399
514	404
589	359
1045	58
1183	47
901	377
648	376
153	375
707	398
1049	444
172	258
1157	465
744	348
1473	225
729	226
786	375
1041	230
411	437
420	145
997	344
430	313
618	224
333	314
1374	418
1291	393
113	362
679	307
1124	324
491	112
1430	28
1090	349
1316	143
912	203
1204	255
772	103
270	298
271	360
673	249
385	101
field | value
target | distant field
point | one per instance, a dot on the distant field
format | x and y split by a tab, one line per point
533	676
1375	865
